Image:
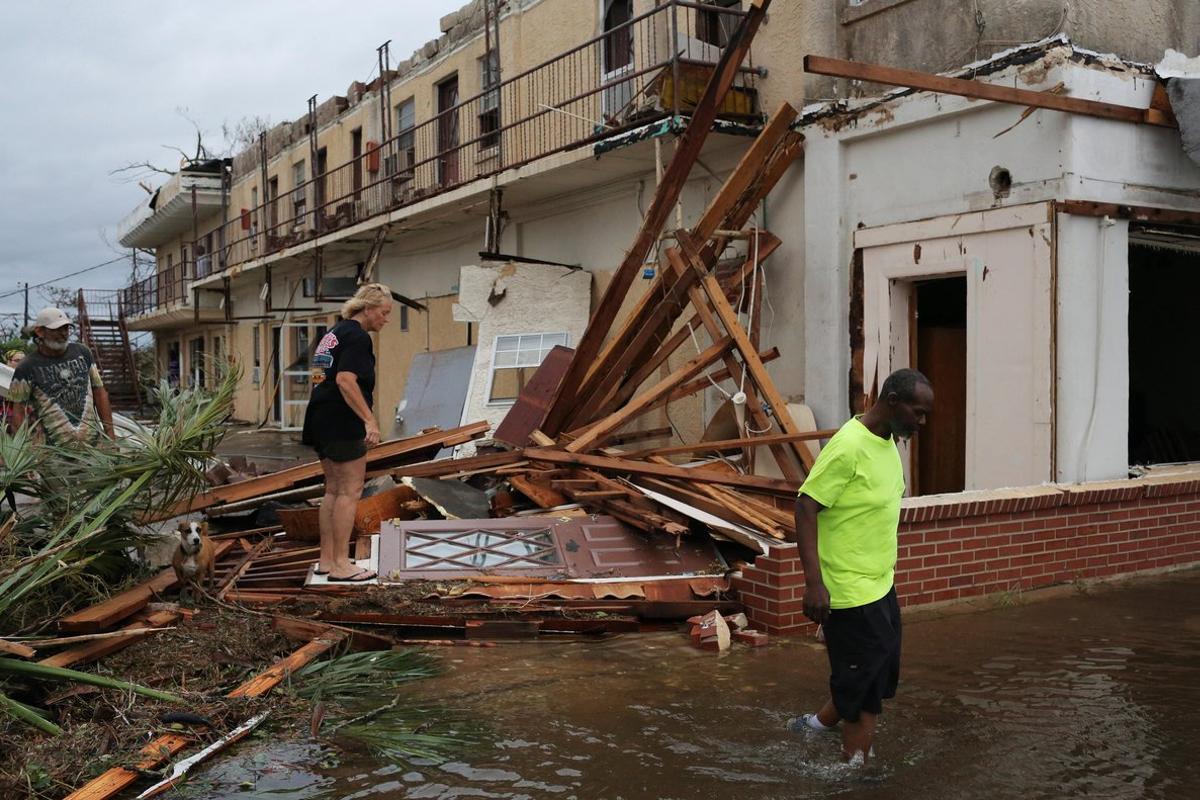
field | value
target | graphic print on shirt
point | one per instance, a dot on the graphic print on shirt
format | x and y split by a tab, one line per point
323	358
60	392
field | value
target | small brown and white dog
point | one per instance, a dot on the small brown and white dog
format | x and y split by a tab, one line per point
193	560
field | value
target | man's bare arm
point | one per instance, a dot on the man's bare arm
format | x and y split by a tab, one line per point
816	596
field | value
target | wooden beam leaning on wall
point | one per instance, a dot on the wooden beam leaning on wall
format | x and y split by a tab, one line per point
759	169
669	190
617	389
753	407
978	90
689	248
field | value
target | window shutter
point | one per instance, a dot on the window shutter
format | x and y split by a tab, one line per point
372	156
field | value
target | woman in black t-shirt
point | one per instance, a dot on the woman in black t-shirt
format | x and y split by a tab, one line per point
340	425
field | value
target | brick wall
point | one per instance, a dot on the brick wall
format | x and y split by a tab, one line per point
975	543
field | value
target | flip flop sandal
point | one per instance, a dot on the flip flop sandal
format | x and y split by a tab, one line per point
362	576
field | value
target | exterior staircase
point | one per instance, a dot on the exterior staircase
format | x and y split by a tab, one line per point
102	328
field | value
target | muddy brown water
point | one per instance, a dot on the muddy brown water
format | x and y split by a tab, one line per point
1082	695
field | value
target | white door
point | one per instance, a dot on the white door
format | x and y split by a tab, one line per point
1005	255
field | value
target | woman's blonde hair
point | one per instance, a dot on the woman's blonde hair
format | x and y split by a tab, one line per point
369	295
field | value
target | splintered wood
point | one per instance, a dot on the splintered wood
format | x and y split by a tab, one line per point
581	446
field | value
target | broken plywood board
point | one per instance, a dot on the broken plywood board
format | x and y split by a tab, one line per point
453	499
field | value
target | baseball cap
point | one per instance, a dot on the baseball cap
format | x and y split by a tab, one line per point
51	318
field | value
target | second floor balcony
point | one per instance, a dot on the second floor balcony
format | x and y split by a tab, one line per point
175	209
640	70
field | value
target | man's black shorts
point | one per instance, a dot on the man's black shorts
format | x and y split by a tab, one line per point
864	656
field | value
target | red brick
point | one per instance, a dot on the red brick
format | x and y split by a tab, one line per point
933	561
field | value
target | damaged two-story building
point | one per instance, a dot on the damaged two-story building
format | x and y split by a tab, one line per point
1035	262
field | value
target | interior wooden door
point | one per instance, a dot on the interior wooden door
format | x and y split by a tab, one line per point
940	352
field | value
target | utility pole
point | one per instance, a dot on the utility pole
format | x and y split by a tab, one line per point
26	325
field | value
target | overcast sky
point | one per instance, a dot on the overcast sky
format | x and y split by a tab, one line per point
90	86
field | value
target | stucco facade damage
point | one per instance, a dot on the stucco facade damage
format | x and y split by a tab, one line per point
516	300
934	159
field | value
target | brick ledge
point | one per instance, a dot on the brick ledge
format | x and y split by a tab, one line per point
983	502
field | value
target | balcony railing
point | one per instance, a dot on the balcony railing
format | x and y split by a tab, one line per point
649	67
164	289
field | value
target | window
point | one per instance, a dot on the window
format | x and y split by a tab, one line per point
272	196
454	548
256	375
401	163
714	27
515	359
618	44
254	216
299	193
489	115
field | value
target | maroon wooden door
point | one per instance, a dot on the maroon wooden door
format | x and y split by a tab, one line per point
447	131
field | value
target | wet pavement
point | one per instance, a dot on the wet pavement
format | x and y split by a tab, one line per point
1090	693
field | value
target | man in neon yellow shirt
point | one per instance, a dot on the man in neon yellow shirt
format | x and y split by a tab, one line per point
847	515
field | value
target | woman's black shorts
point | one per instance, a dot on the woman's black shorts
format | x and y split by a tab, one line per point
864	655
341	451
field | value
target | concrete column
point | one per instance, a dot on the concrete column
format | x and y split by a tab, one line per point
1092	408
827	252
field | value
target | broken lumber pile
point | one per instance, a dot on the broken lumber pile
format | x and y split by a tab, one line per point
573	430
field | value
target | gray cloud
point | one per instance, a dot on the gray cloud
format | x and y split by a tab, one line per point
93	86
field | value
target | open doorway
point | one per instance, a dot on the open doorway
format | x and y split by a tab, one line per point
939	344
1163	285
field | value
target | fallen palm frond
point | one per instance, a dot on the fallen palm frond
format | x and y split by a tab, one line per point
407	732
398	729
356	676
74	544
28	714
29	669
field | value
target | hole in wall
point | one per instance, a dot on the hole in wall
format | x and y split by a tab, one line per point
1001	182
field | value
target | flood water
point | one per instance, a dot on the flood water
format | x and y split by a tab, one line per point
1083	695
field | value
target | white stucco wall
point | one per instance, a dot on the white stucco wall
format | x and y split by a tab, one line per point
517	299
926	156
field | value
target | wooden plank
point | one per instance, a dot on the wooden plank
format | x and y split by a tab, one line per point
285	479
305	630
690	388
733	328
749	167
534	400
977	90
626	466
646	365
116	608
83	653
16	649
110	783
1152	214
450	466
240	568
538	491
754	408
687	152
595	435
732	444
266	681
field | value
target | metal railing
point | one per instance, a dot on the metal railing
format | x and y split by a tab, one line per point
649	67
166	288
